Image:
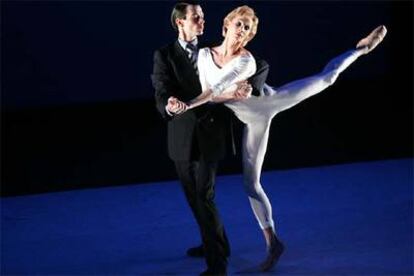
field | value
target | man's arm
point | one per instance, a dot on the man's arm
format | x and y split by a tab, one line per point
258	80
165	87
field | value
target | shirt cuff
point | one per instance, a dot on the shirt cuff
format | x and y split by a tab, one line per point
168	112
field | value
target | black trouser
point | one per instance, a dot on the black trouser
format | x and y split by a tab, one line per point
197	179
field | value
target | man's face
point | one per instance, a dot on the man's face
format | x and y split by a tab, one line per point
193	24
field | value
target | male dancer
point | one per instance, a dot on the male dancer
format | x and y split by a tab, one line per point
196	138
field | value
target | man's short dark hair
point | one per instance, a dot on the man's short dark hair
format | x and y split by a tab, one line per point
179	11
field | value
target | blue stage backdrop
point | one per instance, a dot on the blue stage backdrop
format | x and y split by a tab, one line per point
67	52
78	107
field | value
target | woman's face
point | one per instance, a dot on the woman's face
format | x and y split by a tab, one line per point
239	28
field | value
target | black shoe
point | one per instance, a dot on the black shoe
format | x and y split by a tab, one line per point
214	272
198	252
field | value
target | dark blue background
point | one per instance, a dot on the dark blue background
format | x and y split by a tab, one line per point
78	107
66	52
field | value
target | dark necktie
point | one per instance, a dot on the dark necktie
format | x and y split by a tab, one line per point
192	55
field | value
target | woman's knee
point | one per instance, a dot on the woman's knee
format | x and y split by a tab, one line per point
252	188
330	77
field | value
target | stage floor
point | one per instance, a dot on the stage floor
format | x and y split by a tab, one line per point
352	219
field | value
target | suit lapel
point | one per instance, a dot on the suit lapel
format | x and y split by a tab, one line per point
182	59
185	70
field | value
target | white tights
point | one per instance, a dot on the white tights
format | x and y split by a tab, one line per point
257	113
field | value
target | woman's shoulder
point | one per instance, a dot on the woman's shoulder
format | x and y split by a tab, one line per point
246	54
247	61
204	52
246	57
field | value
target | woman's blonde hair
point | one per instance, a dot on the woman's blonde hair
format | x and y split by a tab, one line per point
242	11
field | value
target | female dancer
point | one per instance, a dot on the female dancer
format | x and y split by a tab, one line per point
221	69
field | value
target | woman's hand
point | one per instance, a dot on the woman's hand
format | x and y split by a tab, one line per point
243	91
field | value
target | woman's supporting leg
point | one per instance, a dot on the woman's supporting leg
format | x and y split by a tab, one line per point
254	145
255	138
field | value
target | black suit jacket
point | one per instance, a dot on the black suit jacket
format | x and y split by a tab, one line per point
204	130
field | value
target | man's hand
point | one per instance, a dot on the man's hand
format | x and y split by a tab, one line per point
244	90
176	106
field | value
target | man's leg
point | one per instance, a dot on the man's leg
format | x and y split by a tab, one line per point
186	171
215	241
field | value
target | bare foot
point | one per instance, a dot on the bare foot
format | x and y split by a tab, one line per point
368	43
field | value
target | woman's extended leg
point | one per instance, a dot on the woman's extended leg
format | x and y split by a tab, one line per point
290	94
